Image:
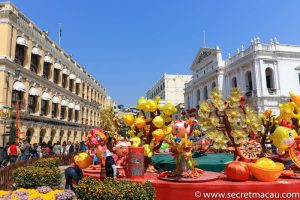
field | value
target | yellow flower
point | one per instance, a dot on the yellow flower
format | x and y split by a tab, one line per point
220	142
239	135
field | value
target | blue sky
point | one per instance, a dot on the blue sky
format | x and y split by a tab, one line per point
129	44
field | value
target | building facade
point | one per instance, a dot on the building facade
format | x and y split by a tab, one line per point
58	100
266	73
170	88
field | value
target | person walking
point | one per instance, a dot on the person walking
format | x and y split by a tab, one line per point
68	148
76	147
39	150
57	148
82	147
45	150
3	157
63	148
71	149
26	149
13	152
33	152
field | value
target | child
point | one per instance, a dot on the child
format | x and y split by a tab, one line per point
110	165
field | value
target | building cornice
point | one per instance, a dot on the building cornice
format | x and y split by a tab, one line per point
19	21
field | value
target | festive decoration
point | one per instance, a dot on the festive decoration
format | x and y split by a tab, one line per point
237	171
266	169
128	119
283	138
121	150
228	120
181	128
150	132
249	150
83	160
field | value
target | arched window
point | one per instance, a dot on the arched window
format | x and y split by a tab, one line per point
205	93
213	85
198	96
188	102
233	82
269	78
248	81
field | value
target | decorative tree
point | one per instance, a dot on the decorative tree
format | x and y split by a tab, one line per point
107	121
228	121
150	128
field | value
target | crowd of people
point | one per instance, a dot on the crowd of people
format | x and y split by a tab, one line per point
15	152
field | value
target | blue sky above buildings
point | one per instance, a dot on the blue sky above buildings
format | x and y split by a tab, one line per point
129	44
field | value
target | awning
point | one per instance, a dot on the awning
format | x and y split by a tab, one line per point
72	76
19	86
36	51
22	41
65	71
64	102
48	59
46	96
57	66
55	99
71	105
77	107
78	80
34	91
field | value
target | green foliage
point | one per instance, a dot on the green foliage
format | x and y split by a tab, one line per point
30	177
47	162
90	188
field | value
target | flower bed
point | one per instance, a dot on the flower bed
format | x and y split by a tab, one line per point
90	188
47	162
31	177
41	193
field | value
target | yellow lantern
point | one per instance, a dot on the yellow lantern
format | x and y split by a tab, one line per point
151	106
140	122
158	121
128	119
83	160
158	135
141	103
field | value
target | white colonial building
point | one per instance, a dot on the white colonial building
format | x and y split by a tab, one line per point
170	87
266	73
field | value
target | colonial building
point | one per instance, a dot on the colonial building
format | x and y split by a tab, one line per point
266	73
57	98
169	87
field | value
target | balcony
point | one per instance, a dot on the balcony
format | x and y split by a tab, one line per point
272	91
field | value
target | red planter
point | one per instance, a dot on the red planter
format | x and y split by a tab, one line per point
135	161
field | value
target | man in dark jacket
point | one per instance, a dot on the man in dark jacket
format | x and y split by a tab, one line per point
3	157
72	174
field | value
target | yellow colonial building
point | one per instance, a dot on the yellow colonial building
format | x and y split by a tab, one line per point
57	98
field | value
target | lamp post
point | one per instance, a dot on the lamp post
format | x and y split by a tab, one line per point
17	75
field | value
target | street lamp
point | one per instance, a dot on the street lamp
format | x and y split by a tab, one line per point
17	75
18	71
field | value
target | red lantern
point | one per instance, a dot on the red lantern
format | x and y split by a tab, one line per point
237	171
